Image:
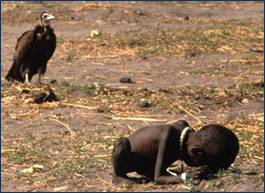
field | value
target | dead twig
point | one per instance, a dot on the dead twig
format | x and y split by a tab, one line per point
73	134
80	106
137	119
186	111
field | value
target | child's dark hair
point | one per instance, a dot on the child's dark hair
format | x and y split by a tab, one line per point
221	146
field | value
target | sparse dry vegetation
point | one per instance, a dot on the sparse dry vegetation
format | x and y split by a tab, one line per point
202	61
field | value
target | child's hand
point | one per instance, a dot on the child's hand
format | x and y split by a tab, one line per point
198	172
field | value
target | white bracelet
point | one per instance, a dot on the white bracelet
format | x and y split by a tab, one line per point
183	176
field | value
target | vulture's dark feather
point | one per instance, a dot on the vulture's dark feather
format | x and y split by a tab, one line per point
33	50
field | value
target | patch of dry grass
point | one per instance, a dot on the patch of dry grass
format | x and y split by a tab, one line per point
64	154
225	37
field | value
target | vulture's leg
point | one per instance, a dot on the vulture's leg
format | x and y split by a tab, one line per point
40	78
26	72
26	78
41	72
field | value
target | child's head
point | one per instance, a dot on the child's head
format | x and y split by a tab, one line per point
214	146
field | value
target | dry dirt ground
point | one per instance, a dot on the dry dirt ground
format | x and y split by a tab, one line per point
199	61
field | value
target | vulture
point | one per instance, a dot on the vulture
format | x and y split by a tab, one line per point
33	50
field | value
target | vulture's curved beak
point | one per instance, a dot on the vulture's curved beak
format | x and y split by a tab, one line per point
50	17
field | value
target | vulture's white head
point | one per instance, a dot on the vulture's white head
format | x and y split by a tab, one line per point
46	18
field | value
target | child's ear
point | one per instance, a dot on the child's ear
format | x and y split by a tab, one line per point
197	151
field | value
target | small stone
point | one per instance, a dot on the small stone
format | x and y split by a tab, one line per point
245	101
125	80
26	91
186	18
144	103
53	81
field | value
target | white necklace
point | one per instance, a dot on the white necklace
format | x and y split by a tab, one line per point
181	139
